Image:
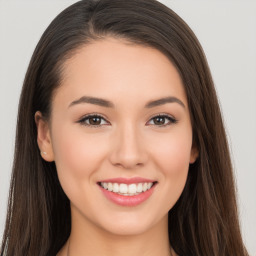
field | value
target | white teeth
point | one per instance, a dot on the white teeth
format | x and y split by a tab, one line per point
139	188
110	186
132	188
127	190
115	187
105	185
149	185
123	188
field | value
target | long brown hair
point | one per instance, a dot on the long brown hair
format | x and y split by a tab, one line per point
204	221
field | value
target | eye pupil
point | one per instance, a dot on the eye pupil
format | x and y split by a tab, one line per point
159	120
94	120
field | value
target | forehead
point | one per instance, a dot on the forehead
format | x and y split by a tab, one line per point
117	70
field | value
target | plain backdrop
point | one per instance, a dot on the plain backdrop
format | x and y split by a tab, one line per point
227	32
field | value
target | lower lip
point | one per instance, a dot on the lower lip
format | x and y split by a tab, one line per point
127	200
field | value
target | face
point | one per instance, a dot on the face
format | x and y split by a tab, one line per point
120	120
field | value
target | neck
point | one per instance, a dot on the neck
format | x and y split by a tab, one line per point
88	239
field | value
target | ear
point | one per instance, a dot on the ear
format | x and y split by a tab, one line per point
193	154
44	137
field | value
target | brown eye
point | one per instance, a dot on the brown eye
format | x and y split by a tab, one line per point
159	120
93	121
162	120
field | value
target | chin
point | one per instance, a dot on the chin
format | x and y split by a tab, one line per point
129	224
127	229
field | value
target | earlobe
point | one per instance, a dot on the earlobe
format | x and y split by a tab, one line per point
193	155
44	138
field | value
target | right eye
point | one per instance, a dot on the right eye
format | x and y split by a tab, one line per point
93	121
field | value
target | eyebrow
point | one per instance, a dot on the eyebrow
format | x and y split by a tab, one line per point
109	104
93	100
162	101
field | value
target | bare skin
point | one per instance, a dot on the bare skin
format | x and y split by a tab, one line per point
128	141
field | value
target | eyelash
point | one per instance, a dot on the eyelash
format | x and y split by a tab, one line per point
83	120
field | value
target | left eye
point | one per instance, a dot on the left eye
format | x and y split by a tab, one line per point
163	120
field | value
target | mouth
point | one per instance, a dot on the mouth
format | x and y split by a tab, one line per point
127	189
127	192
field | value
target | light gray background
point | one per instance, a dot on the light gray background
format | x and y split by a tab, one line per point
227	32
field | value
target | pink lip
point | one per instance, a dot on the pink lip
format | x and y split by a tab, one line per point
128	180
127	200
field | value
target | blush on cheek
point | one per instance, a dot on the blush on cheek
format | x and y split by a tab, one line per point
67	154
176	156
77	156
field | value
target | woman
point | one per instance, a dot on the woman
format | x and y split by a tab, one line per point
120	145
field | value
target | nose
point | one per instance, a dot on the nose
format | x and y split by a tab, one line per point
128	149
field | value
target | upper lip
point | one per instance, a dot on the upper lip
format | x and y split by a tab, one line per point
127	180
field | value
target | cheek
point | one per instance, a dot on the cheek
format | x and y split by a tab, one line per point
173	162
172	152
172	156
76	155
176	157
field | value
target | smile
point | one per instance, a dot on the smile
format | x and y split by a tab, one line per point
127	192
125	189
